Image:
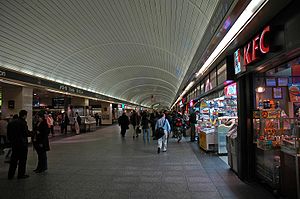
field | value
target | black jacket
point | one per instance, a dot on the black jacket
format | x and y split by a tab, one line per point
17	133
123	121
41	136
145	122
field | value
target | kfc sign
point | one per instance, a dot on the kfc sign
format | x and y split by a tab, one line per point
256	47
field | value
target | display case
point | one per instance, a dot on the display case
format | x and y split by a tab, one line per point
88	124
207	140
226	126
277	149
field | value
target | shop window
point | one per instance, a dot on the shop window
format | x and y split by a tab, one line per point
213	79
202	88
222	74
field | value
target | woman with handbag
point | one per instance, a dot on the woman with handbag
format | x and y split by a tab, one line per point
162	128
41	143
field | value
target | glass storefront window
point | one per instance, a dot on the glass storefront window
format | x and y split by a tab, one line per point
276	121
213	79
222	73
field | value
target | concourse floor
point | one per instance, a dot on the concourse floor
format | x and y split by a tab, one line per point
103	165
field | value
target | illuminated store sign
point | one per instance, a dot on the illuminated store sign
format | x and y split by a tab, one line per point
256	47
253	51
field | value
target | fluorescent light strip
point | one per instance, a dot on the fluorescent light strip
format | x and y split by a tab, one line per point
244	19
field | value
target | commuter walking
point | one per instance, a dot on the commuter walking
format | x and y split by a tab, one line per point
50	123
123	122
41	143
134	123
64	123
77	123
17	133
193	122
97	118
145	126
164	124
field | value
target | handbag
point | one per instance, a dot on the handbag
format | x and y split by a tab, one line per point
160	132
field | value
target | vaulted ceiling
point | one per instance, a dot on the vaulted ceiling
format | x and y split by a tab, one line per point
135	50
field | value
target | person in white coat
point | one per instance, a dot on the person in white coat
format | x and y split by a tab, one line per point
162	142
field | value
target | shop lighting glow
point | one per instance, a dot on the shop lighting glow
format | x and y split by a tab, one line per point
245	18
260	89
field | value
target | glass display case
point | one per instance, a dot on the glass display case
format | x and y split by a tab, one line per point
277	148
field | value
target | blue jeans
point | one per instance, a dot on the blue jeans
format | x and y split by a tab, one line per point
146	134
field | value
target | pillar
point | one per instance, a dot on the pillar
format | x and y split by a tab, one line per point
16	98
106	113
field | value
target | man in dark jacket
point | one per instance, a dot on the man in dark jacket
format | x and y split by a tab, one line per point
17	132
123	122
193	122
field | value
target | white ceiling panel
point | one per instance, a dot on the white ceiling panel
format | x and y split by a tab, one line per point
128	49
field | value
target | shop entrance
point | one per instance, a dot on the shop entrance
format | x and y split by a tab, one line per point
217	124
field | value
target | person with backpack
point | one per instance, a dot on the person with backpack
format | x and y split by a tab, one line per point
162	125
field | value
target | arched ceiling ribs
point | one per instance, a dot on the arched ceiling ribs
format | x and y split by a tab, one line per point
199	9
146	85
131	66
160	97
115	43
136	78
149	93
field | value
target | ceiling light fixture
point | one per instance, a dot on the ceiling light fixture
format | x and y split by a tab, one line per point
244	19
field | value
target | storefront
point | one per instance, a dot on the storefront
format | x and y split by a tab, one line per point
267	69
215	97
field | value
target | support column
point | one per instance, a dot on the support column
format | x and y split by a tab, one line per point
246	151
106	113
16	98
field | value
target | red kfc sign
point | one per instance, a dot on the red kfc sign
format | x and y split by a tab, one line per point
256	47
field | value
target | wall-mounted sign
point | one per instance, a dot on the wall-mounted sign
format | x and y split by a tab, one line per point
230	90
238	68
256	47
11	104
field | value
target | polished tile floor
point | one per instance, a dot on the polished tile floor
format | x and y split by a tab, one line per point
103	165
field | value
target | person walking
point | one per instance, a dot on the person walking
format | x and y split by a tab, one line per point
123	122
17	133
134	122
77	120
64	123
145	126
50	123
41	143
193	122
162	142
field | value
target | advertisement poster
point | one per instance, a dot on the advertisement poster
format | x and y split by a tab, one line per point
294	90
